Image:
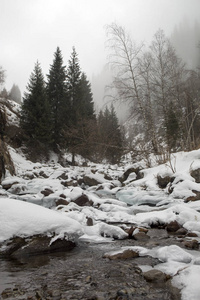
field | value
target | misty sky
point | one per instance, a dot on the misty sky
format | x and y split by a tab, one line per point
30	30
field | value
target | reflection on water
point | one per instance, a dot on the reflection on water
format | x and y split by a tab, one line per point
17	271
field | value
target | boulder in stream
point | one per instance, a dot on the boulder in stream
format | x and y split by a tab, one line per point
19	247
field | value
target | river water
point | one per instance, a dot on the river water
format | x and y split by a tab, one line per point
81	273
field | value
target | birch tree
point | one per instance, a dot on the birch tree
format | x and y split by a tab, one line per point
132	78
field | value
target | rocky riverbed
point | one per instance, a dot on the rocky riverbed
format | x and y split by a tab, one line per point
136	230
84	273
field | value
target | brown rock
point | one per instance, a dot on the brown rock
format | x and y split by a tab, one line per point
155	276
126	174
91	181
29	176
142	229
62	196
192	234
163	181
83	200
47	192
42	174
196	175
38	245
7	186
127	254
68	183
181	231
63	176
193	244
130	232
173	226
61	202
108	177
193	198
89	221
11	246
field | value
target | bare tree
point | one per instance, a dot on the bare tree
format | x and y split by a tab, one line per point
161	71
149	104
157	87
132	79
167	76
124	61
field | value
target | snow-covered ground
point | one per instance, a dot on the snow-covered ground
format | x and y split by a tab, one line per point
25	210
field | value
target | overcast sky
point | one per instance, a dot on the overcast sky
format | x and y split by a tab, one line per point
30	30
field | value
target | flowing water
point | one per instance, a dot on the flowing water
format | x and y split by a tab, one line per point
82	273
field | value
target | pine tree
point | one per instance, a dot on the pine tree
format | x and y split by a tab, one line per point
4	93
35	115
85	107
86	118
73	83
110	139
81	129
15	94
56	91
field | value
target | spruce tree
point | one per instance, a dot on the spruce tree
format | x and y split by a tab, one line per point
110	138
73	83
81	129
85	103
35	114
86	118
56	91
15	94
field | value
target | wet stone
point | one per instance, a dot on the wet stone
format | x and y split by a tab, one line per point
193	244
181	231
173	226
141	236
127	254
192	234
84	274
154	276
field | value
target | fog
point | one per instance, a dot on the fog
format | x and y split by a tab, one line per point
31	30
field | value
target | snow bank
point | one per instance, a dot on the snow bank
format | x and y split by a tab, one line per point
173	253
19	218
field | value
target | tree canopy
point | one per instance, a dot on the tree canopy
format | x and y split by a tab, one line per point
36	114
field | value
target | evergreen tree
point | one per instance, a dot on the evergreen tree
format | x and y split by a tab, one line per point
4	93
110	139
73	83
35	115
81	130
86	118
15	94
56	91
85	107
